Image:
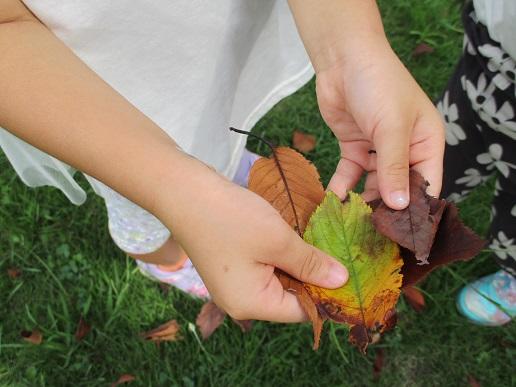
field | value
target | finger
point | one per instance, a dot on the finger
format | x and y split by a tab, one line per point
392	151
427	157
346	176
371	187
309	264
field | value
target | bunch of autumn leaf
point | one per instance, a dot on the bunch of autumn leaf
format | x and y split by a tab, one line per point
384	250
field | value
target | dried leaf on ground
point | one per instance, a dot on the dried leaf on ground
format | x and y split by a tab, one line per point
422	49
473	382
303	142
379	361
209	319
414	297
304	184
367	301
168	331
14	272
34	337
125	378
83	328
244	325
414	227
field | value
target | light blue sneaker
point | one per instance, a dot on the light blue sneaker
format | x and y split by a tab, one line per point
490	300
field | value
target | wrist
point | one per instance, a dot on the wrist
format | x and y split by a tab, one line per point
350	54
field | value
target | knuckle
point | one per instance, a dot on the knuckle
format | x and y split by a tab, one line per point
396	169
311	265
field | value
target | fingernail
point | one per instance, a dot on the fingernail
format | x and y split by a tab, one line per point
337	276
399	199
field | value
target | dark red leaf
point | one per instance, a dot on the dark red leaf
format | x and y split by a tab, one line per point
14	272
83	328
422	49
245	325
473	382
453	242
209	319
125	378
414	297
34	337
414	227
379	361
303	142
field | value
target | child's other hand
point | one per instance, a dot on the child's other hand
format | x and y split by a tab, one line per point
235	240
371	102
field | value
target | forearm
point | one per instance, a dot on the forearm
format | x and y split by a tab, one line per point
334	31
52	100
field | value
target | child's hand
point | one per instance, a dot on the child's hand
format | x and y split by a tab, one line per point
236	239
371	102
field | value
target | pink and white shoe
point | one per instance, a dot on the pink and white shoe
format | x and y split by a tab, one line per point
186	278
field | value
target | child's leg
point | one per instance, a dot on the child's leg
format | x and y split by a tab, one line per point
479	110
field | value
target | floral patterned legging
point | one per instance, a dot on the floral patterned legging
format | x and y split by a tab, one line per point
478	107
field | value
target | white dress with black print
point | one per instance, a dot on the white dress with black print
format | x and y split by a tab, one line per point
479	109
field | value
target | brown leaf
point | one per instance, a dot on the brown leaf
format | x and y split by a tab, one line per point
422	49
14	272
165	332
125	378
379	361
83	328
414	227
473	382
429	230
296	287
303	142
209	319
304	184
245	325
415	298
34	337
453	242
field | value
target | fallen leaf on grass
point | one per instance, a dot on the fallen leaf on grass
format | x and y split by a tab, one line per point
303	142
367	301
473	382
379	360
209	319
14	272
83	328
244	325
34	337
125	378
165	332
414	298
422	49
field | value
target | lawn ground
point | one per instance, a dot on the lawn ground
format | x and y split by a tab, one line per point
71	268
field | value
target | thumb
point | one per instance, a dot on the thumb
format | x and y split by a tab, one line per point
392	145
311	265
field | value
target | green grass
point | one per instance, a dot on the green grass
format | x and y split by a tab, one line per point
71	268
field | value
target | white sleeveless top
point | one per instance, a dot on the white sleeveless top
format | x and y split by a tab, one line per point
194	67
499	16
